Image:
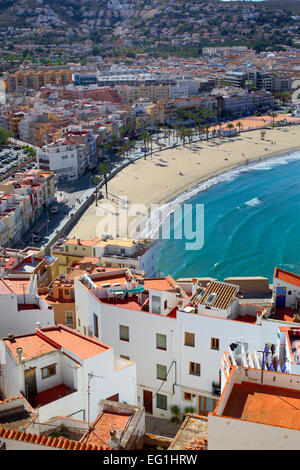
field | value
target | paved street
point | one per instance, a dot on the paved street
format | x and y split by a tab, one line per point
161	427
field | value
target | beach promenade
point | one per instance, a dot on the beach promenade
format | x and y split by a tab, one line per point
168	173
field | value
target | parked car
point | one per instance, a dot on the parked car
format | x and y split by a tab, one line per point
54	210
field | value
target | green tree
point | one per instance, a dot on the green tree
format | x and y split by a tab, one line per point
104	170
4	136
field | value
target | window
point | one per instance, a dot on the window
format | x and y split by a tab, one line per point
189	339
195	368
187	396
84	330
215	343
161	402
124	333
70	317
78	322
165	305
96	330
125	357
206	405
161	341
161	372
48	371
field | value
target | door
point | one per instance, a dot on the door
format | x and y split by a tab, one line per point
30	382
148	401
206	405
155	304
280	297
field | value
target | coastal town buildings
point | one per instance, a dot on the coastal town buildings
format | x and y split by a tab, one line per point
184	335
66	158
28	79
37	186
117	426
21	307
112	253
55	366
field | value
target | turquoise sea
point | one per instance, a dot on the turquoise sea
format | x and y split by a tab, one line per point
251	223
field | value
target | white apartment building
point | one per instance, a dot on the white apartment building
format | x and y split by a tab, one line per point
68	160
20	306
64	373
128	253
177	340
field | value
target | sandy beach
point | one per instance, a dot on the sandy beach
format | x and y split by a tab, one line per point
168	173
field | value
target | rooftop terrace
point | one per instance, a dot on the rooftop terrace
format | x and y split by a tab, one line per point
273	406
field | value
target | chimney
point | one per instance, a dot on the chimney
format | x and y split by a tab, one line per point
38	325
114	442
78	241
19	352
259	318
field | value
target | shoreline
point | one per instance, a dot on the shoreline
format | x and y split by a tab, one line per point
228	169
168	174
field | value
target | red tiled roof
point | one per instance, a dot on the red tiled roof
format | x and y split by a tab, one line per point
32	346
105	422
80	345
7	400
273	406
59	443
49	395
288	277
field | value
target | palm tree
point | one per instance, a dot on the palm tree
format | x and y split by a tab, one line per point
150	140
145	137
273	116
220	127
104	170
230	126
207	131
169	132
239	125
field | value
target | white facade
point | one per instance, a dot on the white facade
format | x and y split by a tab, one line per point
143	326
132	256
67	161
90	379
231	433
20	313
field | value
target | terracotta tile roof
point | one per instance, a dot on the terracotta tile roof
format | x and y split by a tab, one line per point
32	346
7	400
59	443
197	445
288	277
273	406
105	422
80	345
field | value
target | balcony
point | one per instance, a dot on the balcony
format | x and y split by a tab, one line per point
48	396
